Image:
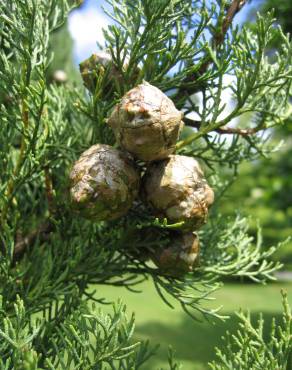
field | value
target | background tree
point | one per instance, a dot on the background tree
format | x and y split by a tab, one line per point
49	256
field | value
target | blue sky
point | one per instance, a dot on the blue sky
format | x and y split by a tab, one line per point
86	23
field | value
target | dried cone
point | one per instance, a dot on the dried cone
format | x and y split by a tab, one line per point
175	188
104	183
146	123
181	256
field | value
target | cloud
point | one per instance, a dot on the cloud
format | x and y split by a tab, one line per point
85	26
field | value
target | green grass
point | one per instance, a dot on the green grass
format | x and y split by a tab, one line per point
194	342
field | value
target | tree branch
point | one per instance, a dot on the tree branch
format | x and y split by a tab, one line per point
217	40
233	9
25	242
227	130
218	37
49	190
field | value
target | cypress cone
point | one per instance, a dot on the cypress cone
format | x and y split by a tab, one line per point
175	188
146	123
104	183
180	257
95	66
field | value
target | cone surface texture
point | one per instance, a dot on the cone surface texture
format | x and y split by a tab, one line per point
146	123
181	256
104	183
175	188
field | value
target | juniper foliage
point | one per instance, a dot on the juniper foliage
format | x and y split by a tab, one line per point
251	347
49	257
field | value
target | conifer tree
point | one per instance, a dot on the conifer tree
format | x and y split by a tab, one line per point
51	255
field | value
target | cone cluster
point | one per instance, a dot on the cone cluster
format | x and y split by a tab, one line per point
105	181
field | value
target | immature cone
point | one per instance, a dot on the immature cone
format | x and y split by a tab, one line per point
104	183
181	256
175	188
146	123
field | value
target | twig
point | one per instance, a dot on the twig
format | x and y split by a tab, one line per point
217	40
227	130
25	242
11	182
49	190
234	8
43	230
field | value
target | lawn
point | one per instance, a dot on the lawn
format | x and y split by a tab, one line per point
194	342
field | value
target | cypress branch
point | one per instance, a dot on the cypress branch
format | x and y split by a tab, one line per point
49	255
